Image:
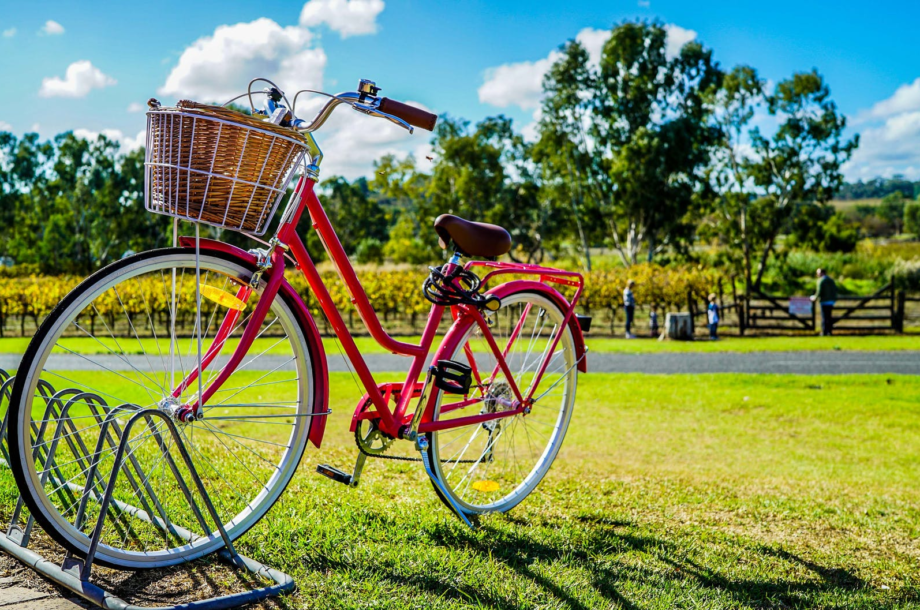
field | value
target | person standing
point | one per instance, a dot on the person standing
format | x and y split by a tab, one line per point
629	305
826	296
713	315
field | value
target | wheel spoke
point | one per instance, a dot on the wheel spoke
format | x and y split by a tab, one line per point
244	452
509	456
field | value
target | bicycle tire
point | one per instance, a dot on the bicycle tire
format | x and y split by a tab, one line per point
482	502
23	465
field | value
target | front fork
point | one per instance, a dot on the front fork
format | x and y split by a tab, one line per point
195	410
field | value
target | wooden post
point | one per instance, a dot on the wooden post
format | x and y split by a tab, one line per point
893	306
899	316
814	312
690	310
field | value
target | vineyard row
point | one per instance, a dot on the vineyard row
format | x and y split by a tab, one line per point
395	294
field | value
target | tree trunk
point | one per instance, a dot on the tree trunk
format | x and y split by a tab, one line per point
576	205
763	261
746	250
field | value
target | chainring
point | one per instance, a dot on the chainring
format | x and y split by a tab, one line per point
369	438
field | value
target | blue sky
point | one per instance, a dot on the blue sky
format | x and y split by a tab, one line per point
86	67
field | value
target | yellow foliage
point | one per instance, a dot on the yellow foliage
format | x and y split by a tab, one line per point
393	292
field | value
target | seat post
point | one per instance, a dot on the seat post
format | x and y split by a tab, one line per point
452	264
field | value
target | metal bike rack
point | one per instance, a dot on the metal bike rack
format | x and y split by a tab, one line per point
74	573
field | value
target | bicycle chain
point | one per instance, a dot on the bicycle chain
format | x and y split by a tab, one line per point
400	458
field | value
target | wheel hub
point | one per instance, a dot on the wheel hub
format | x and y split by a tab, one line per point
177	411
496	400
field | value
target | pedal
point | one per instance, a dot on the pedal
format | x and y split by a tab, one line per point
334	473
452	377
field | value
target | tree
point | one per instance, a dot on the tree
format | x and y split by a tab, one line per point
353	212
72	205
912	217
891	210
403	190
800	163
738	100
483	175
562	154
823	229
637	128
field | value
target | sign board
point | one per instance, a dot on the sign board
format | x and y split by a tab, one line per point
799	306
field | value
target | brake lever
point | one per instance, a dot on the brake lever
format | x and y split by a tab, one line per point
372	111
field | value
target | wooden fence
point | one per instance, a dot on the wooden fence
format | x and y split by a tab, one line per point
881	311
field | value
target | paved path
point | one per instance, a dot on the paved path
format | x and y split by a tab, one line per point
801	363
14	596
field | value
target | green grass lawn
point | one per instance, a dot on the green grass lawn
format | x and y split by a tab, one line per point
367	345
759	344
705	491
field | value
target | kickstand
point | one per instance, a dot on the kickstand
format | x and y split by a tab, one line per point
421	443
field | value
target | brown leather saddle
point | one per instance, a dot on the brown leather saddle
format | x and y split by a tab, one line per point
472	238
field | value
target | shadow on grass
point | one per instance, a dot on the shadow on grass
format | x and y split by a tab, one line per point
584	562
617	558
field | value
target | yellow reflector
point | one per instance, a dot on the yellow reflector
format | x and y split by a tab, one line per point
221	298
485	486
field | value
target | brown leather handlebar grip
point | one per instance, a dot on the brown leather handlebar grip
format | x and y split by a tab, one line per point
410	114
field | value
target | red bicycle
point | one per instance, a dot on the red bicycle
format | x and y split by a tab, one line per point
217	338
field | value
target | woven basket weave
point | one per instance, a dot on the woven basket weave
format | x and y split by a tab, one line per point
218	166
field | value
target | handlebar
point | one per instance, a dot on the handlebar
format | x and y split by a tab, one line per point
410	114
401	114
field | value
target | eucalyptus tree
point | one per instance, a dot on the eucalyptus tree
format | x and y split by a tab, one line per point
737	221
485	174
636	130
72	205
764	179
800	162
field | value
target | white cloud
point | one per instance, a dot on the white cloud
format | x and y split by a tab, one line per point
905	99
351	141
115	135
888	142
81	78
136	107
521	84
887	149
677	38
593	41
4	126
9	33
218	67
347	17
35	128
52	28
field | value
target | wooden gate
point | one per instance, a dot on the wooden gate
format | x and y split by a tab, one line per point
768	312
872	313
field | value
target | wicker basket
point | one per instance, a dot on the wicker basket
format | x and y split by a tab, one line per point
218	166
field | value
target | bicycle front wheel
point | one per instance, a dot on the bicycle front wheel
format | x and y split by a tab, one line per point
126	340
492	466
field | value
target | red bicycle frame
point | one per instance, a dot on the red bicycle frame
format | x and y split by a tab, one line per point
391	421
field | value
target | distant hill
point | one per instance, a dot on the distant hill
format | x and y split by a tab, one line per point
878	188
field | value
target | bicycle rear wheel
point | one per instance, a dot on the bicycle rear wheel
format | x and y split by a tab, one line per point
493	466
123	341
